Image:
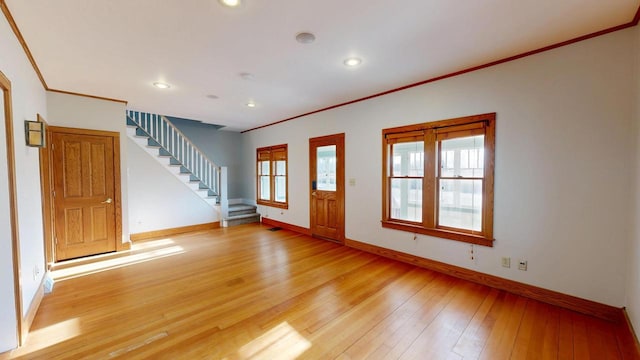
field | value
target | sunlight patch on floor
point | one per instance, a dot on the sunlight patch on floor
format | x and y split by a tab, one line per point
52	334
95	267
281	342
151	244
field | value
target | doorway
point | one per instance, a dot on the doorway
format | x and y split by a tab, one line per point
10	264
326	197
85	178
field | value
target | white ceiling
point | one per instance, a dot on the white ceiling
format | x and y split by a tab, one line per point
118	48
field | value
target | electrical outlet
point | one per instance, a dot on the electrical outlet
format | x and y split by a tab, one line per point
522	265
36	272
506	262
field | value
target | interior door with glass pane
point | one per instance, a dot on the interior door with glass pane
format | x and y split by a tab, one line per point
326	159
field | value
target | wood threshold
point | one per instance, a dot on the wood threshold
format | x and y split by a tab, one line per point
280	224
174	231
588	307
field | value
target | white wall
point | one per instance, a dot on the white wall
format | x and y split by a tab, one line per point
563	159
633	274
222	147
157	199
95	114
29	99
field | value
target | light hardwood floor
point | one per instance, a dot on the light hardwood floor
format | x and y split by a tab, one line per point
250	293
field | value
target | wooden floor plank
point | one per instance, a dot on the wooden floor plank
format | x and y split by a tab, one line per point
248	293
474	337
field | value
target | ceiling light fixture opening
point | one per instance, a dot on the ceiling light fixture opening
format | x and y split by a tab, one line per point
230	3
161	85
305	38
352	62
251	104
247	76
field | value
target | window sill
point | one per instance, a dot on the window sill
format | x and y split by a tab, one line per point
272	204
451	235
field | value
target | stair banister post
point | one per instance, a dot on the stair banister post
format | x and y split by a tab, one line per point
222	190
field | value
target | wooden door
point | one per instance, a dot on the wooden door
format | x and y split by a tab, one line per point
85	178
326	160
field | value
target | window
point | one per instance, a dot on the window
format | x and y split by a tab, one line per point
272	176
438	178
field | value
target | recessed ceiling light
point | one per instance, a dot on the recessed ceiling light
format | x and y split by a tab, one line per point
230	3
251	104
305	38
247	76
161	85
351	62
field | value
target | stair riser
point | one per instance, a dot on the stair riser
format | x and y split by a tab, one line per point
234	222
241	212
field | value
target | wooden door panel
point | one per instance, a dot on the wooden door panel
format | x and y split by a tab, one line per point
327	206
98	170
72	169
99	226
332	216
73	226
84	189
320	212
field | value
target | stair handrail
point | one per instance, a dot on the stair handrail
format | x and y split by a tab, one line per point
198	163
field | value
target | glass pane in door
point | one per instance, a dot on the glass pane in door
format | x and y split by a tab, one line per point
326	167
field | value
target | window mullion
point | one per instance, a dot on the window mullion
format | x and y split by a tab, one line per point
272	179
429	185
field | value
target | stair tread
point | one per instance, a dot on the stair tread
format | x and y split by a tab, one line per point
238	207
243	216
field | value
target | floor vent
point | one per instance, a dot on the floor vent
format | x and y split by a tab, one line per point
275	228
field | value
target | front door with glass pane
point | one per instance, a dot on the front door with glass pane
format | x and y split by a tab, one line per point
326	159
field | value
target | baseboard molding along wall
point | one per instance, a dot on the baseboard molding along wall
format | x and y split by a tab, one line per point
27	320
174	231
588	307
280	224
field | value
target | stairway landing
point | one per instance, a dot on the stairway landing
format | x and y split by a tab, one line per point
241	214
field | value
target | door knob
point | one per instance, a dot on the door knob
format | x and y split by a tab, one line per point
108	201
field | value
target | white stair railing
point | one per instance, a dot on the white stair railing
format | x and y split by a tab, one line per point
174	142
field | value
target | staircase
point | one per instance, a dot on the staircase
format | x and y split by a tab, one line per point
240	214
160	138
